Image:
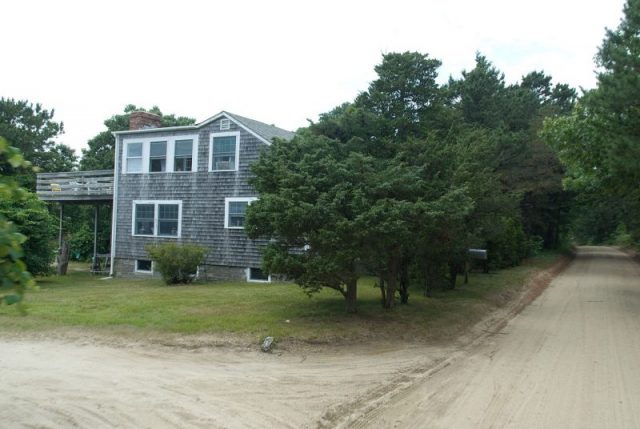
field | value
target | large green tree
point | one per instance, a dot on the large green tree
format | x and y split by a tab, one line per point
513	115
311	191
32	130
599	143
404	179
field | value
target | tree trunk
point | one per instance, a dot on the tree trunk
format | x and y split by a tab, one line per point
391	290
391	282
381	283
427	281
351	296
393	265
466	272
404	284
63	259
453	275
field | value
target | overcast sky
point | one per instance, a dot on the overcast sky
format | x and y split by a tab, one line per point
279	62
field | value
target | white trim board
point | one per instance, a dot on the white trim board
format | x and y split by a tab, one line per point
228	200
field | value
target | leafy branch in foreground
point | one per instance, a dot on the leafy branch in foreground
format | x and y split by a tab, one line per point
13	271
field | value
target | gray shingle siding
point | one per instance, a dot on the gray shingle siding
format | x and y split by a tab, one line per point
203	196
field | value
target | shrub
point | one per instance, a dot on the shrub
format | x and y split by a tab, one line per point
32	219
621	236
177	263
510	246
535	244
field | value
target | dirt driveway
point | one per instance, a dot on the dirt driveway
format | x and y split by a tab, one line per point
62	384
571	359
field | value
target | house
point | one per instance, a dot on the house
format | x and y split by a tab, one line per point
188	184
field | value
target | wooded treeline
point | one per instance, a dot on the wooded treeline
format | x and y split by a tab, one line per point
600	142
407	177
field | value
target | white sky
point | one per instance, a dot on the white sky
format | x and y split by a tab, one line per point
275	61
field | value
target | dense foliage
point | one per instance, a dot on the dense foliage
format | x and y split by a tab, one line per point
599	143
32	219
404	179
32	130
177	263
14	277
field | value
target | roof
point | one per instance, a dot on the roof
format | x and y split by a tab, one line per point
268	132
264	132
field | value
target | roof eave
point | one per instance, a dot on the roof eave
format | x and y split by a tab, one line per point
196	126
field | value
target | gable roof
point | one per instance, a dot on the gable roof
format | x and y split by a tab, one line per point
268	132
264	132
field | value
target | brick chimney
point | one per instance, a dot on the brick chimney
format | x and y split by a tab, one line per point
143	120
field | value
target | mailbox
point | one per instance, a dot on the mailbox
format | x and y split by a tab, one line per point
480	254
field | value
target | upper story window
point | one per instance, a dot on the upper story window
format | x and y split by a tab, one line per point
157	218
234	211
158	156
223	151
183	159
134	158
152	155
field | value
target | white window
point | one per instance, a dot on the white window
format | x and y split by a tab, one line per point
158	156
183	155
224	150
134	157
234	211
164	154
257	275
143	266
225	124
157	218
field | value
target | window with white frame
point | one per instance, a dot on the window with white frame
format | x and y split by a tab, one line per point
223	151
183	155
134	157
234	211
158	156
168	219
165	154
144	266
157	218
257	275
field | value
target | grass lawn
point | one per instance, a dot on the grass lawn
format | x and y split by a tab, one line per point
257	310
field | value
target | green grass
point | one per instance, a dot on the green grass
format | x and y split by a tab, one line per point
256	310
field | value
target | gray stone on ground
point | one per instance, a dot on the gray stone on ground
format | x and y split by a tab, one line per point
266	344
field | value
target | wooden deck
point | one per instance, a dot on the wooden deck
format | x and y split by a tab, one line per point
76	186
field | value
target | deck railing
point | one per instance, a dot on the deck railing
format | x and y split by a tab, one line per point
95	185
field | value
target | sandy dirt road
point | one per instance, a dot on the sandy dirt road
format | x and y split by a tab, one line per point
569	360
57	383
